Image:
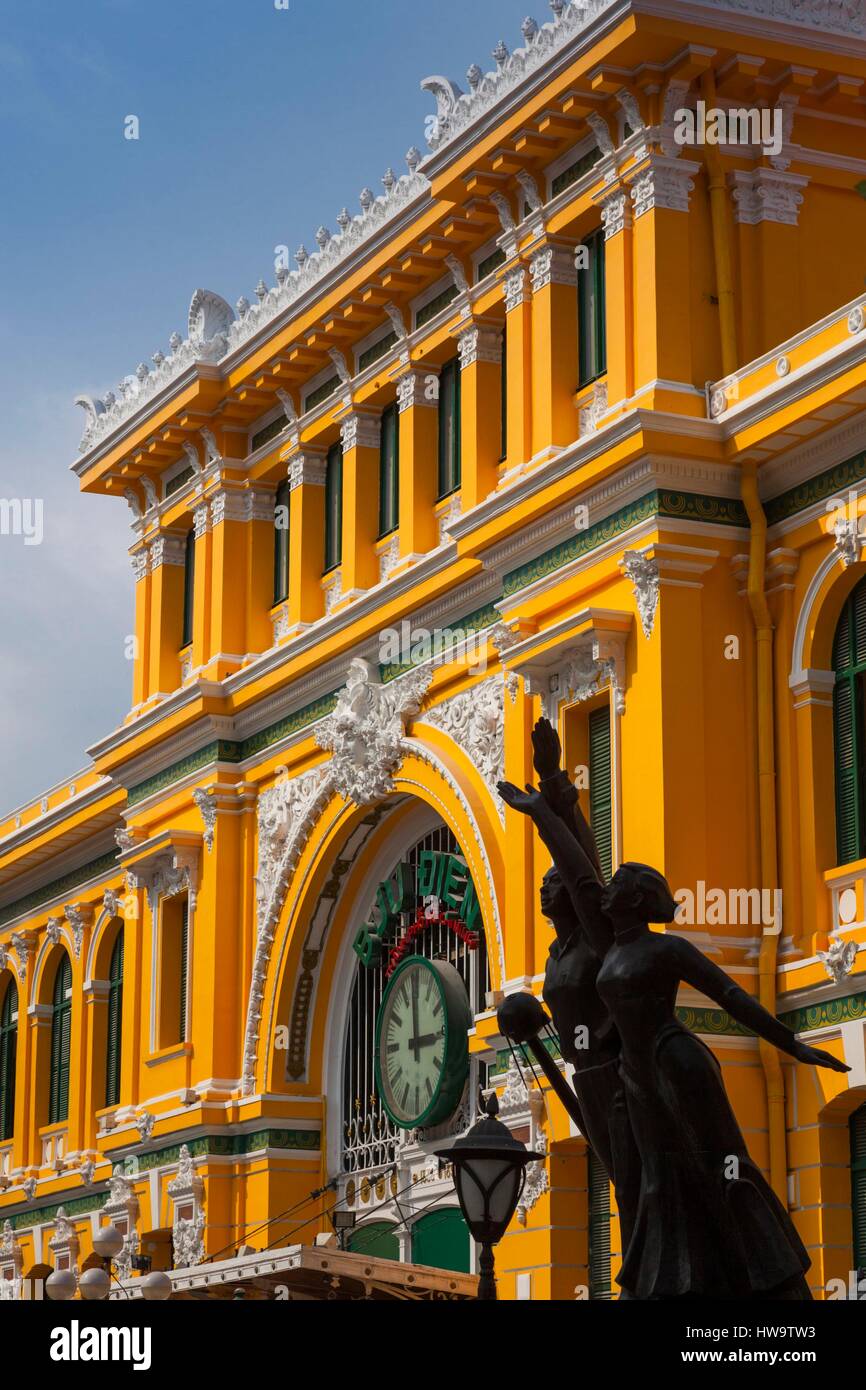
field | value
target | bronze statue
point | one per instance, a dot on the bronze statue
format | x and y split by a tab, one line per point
706	1224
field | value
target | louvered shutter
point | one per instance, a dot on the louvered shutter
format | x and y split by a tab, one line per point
599	1228
858	1187
8	1051
849	663
61	1025
115	1025
184	965
600	794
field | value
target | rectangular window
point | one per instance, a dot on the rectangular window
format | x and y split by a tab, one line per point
503	417
188	590
334	508
858	1187
281	543
600	786
389	472
449	428
592	332
174	971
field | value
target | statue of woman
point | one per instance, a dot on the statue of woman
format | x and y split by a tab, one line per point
707	1225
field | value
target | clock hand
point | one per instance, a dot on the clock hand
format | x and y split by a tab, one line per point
427	1041
413	1043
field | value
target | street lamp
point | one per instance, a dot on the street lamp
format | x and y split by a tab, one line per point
489	1173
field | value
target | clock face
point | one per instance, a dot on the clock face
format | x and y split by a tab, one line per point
422	1052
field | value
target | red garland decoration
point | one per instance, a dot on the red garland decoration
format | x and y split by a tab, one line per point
422	924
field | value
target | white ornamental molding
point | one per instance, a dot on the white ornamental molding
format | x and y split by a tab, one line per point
187	1193
765	195
456	109
389	558
122	1210
24	946
291	414
144	1123
615	213
214	329
663	183
87	1172
537	1181
333	591
201	521
11	1265
417	389
848	540
168	874
474	719
516	289
590	668
113	903
838	960
447	518
366	730
503	639
30	1185
53	929
64	1244
168	549
307	469
480	343
592	413
676	93
856	319
140	564
207	806
643	573
553	265
80	917
361	432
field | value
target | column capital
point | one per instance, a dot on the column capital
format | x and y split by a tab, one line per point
415	388
662	183
307	468
360	431
479	342
515	288
169	548
553	265
616	213
767	195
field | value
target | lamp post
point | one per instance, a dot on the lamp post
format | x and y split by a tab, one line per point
489	1173
94	1285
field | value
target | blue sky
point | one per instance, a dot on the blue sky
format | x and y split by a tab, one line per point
257	124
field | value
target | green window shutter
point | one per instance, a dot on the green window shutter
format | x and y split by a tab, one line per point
281	543
599	1228
61	1025
188	589
389	473
115	1024
503	425
449	428
600	783
858	1186
334	508
184	968
849	664
592	313
440	1240
8	1056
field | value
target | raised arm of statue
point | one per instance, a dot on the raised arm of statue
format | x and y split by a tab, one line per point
560	792
576	870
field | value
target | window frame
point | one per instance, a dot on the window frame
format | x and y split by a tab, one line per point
334	508
61	1043
450	469
188	623
8	1058
389	473
114	1023
592	313
281	544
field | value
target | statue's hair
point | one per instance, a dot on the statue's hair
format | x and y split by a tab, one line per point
657	901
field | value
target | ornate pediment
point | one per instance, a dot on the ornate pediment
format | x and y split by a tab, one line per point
365	734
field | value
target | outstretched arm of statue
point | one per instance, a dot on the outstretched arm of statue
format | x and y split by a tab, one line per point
560	792
702	974
575	868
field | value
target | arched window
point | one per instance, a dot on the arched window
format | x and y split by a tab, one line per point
849	727
188	590
8	1052
281	543
61	1023
115	1022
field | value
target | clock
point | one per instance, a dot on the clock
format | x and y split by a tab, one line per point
422	1045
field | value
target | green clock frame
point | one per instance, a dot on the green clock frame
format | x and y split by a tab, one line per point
458	1021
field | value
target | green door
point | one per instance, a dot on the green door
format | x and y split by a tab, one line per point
376	1240
441	1240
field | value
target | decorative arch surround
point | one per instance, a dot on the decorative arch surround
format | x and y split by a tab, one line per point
366	736
818	615
46	952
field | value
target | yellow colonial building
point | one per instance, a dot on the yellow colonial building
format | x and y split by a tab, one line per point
567	418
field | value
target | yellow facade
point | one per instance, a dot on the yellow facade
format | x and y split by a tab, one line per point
656	542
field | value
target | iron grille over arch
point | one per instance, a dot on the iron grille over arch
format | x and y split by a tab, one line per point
370	1139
